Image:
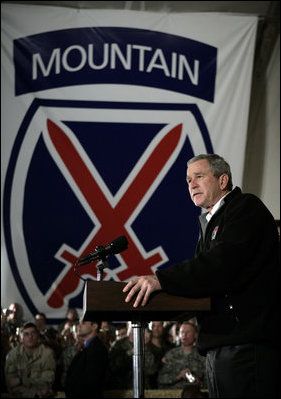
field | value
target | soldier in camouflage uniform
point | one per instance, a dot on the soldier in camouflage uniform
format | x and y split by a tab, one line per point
72	345
30	366
178	361
158	345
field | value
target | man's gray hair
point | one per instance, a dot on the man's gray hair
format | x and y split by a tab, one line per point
217	164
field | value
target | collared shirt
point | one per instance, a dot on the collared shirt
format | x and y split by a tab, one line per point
215	208
86	343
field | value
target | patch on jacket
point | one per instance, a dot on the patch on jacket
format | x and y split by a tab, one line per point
214	233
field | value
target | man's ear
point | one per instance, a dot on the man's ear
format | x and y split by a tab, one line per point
223	181
96	325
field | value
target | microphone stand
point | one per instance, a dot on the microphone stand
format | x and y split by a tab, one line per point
101	266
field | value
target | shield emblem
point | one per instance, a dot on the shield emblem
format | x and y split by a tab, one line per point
85	172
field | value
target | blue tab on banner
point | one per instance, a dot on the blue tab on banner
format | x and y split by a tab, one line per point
114	55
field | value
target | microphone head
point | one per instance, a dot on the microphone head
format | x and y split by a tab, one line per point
118	245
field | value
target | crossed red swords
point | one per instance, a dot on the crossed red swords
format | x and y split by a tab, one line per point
112	219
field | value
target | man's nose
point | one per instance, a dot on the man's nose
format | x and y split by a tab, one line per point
193	183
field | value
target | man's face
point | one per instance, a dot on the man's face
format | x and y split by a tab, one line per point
204	187
86	328
187	335
12	311
71	315
30	338
157	329
40	321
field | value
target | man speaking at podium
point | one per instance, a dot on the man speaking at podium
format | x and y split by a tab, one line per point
237	264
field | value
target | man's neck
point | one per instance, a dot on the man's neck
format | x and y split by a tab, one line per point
211	208
88	338
156	341
187	348
30	351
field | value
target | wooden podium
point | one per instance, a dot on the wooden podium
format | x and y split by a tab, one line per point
104	300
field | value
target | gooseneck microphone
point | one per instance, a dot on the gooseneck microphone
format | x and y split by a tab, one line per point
101	252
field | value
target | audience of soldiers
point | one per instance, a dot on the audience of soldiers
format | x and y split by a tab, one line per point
36	357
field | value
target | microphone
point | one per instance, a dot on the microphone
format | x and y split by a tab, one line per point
115	247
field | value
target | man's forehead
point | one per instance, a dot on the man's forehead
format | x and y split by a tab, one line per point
30	329
187	327
197	166
85	322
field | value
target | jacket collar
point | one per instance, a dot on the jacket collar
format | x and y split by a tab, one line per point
202	218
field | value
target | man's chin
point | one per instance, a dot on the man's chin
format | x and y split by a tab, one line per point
197	202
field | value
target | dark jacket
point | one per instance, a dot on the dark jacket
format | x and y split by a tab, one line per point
237	265
87	372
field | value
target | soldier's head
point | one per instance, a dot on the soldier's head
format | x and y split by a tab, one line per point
72	315
40	321
15	312
30	336
187	334
157	329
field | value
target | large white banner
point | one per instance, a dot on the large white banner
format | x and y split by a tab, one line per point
101	110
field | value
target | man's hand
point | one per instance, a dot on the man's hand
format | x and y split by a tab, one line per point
182	375
145	285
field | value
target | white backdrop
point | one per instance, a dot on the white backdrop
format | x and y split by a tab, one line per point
218	94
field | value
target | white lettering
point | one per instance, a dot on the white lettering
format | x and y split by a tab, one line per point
105	57
174	65
141	49
193	76
82	63
37	61
145	60
163	65
115	51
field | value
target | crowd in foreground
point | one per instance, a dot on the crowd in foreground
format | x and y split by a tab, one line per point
86	358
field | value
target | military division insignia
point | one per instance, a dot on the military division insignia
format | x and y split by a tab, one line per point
85	170
214	233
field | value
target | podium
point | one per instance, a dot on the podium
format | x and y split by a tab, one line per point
104	300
